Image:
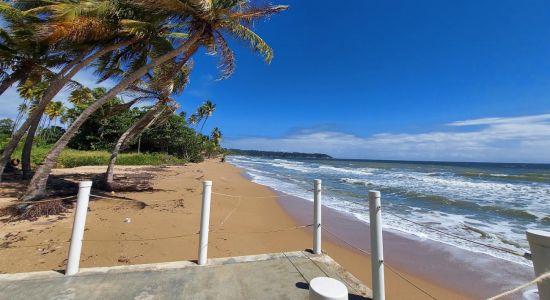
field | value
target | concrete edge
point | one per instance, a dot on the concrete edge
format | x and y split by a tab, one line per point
148	267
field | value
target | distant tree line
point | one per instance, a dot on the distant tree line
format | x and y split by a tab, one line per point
174	135
277	154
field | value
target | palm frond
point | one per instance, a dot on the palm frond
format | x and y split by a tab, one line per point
227	57
164	5
11	14
136	28
182	78
254	13
69	11
255	41
78	30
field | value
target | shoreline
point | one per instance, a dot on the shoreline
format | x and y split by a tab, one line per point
472	274
165	220
475	275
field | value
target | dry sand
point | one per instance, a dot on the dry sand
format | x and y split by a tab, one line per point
165	228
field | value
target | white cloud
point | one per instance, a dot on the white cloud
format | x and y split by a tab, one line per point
516	139
10	100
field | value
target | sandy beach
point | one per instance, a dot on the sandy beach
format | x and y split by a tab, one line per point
161	225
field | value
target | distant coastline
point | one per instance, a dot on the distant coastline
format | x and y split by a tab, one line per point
277	154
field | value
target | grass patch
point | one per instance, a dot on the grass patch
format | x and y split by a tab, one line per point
75	158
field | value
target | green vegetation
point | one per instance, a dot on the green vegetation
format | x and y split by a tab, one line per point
76	158
145	47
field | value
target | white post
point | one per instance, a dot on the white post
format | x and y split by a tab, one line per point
317	216
205	221
377	249
539	242
77	235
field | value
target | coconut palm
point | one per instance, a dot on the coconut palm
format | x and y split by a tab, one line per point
193	119
21	56
216	136
87	30
205	111
170	78
205	24
54	111
148	119
22	110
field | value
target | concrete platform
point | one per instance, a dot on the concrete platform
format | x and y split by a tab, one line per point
270	276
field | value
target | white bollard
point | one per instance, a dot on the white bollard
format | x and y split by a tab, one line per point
539	242
377	249
79	223
205	222
317	216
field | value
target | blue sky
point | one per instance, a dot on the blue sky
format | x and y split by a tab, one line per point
397	68
390	80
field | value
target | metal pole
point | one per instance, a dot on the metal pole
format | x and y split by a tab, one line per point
539	242
317	216
205	221
377	249
77	235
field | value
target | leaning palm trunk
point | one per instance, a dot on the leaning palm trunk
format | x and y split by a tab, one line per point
63	77
13	78
37	186
18	119
137	128
27	150
203	123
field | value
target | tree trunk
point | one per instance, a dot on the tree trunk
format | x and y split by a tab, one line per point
203	123
13	78
53	89
137	128
37	186
17	120
27	151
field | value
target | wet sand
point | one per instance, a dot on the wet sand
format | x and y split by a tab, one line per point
165	229
475	275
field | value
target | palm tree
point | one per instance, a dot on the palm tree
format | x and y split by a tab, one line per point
22	110
193	119
31	90
216	136
76	24
148	119
205	24
205	111
21	56
81	97
54	111
167	79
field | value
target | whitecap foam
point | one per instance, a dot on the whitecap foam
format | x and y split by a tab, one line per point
344	190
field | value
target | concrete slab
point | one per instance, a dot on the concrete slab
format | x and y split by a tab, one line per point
270	276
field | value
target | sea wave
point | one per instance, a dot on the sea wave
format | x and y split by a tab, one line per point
354	181
529	177
494	211
358	171
469	205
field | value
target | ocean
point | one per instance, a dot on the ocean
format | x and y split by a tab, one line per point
490	203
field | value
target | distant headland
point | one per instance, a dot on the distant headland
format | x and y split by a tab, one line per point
277	154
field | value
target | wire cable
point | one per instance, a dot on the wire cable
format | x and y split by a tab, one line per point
385	264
